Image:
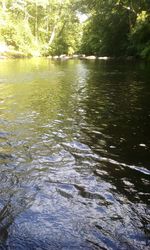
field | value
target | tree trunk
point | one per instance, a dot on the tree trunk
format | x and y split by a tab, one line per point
55	24
52	35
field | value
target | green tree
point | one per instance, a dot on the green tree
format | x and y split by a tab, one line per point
113	27
116	28
39	25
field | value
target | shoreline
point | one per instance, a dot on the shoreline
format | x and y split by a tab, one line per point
12	54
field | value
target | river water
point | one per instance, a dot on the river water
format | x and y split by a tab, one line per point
74	155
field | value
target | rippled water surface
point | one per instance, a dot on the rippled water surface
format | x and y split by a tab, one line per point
74	155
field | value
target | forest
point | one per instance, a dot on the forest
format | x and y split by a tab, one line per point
114	28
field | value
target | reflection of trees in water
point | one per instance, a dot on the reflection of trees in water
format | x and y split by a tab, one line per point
116	121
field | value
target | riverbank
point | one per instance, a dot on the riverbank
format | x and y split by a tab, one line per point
14	54
11	54
7	52
92	57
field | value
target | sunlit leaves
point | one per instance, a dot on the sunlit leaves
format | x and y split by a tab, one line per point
35	24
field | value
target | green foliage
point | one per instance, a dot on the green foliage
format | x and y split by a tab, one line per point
116	28
43	27
104	30
39	26
68	40
140	35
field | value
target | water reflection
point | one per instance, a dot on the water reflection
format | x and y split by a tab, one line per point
73	172
16	194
